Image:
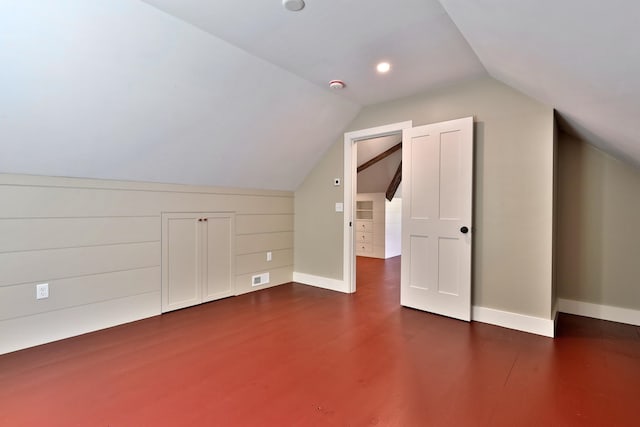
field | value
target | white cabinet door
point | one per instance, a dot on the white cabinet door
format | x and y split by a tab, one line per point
437	180
180	261
217	253
197	258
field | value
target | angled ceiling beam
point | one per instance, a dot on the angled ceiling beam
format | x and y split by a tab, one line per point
395	182
380	156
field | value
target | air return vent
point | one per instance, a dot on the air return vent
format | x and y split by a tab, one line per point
260	279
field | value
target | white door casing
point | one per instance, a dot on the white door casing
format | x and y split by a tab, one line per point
437	190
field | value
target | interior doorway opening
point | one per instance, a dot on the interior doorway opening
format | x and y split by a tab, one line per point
378	213
376	152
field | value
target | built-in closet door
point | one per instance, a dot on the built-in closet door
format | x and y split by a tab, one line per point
217	253
180	261
197	258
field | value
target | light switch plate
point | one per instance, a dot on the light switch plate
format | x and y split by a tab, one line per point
339	207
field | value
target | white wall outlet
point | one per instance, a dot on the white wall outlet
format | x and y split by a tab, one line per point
269	256
339	207
42	291
337	182
260	279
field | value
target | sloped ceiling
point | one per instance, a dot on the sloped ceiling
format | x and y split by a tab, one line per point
235	93
118	89
338	39
580	56
376	178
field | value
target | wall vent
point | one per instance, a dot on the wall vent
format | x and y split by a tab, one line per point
260	279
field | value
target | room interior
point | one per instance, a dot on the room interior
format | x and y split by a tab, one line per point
378	197
132	129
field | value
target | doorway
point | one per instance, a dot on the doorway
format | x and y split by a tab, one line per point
436	214
351	140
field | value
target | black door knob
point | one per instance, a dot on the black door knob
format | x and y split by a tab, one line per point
464	230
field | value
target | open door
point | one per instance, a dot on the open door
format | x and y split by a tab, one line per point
437	162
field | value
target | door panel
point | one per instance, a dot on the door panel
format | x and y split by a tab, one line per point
419	270
218	265
180	269
448	266
437	203
423	177
450	175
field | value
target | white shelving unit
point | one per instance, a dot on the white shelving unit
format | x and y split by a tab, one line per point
378	230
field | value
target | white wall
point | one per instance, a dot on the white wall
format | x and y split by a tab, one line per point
97	244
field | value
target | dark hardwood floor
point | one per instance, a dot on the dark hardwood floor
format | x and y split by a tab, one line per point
300	356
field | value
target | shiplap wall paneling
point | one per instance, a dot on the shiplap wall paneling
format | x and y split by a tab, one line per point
97	243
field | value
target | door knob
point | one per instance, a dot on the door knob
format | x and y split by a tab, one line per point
464	230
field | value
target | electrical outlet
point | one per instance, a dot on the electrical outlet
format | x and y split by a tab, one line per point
42	291
269	256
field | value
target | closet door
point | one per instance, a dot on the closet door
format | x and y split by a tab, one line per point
181	242
217	262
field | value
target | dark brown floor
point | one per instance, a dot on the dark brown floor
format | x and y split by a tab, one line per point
300	356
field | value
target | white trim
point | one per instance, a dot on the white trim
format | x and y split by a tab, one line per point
108	184
519	322
349	177
320	282
600	311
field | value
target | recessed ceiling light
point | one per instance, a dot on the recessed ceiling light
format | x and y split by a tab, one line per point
383	67
336	84
293	5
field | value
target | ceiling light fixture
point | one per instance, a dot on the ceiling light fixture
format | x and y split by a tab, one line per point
336	84
293	5
383	67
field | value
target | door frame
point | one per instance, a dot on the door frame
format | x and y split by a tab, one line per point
349	198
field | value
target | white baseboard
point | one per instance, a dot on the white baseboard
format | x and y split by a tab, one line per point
320	282
599	311
519	322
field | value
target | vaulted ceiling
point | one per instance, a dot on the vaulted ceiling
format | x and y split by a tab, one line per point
235	93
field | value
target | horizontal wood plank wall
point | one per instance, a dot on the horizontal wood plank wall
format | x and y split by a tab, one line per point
97	244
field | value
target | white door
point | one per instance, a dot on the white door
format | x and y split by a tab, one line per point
437	185
217	265
181	242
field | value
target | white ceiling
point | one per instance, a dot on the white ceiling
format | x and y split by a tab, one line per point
235	93
117	89
367	149
343	39
580	56
377	177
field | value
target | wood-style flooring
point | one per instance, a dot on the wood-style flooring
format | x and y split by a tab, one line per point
295	355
